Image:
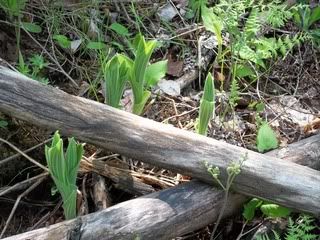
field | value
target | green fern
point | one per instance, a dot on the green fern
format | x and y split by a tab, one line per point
253	24
234	92
278	15
301	229
268	48
286	44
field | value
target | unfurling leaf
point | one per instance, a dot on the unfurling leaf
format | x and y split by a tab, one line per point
207	106
63	169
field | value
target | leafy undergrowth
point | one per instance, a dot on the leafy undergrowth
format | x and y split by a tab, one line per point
263	57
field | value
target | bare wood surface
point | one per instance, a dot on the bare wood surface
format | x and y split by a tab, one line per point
161	215
270	178
166	214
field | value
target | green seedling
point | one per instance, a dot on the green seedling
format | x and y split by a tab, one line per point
207	106
13	9
34	68
139	70
115	73
140	74
144	50
63	168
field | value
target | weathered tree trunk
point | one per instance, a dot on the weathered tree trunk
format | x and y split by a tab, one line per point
166	214
270	178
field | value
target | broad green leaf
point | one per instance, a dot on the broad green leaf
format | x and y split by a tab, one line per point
315	16
155	72
212	23
120	29
274	210
96	45
243	71
260	107
250	208
62	41
266	138
31	27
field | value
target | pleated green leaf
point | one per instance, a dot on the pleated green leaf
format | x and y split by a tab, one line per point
63	169
143	52
207	106
115	76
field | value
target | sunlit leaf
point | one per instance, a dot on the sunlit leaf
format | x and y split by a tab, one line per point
120	29
274	210
266	138
155	72
31	27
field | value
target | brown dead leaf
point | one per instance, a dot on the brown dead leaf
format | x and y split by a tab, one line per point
175	66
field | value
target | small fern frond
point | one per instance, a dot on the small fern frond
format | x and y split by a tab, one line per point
234	92
276	235
286	44
301	229
278	15
263	237
253	24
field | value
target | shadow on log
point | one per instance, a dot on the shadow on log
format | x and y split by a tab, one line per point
165	214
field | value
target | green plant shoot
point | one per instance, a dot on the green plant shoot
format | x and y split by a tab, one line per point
266	138
144	50
13	7
115	76
207	106
63	168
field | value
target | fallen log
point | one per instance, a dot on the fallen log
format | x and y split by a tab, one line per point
166	214
269	178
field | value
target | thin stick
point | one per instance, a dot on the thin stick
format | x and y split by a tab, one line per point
26	151
21	185
33	186
25	155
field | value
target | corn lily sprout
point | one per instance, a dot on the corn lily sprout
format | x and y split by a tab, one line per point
144	50
63	168
115	76
207	106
